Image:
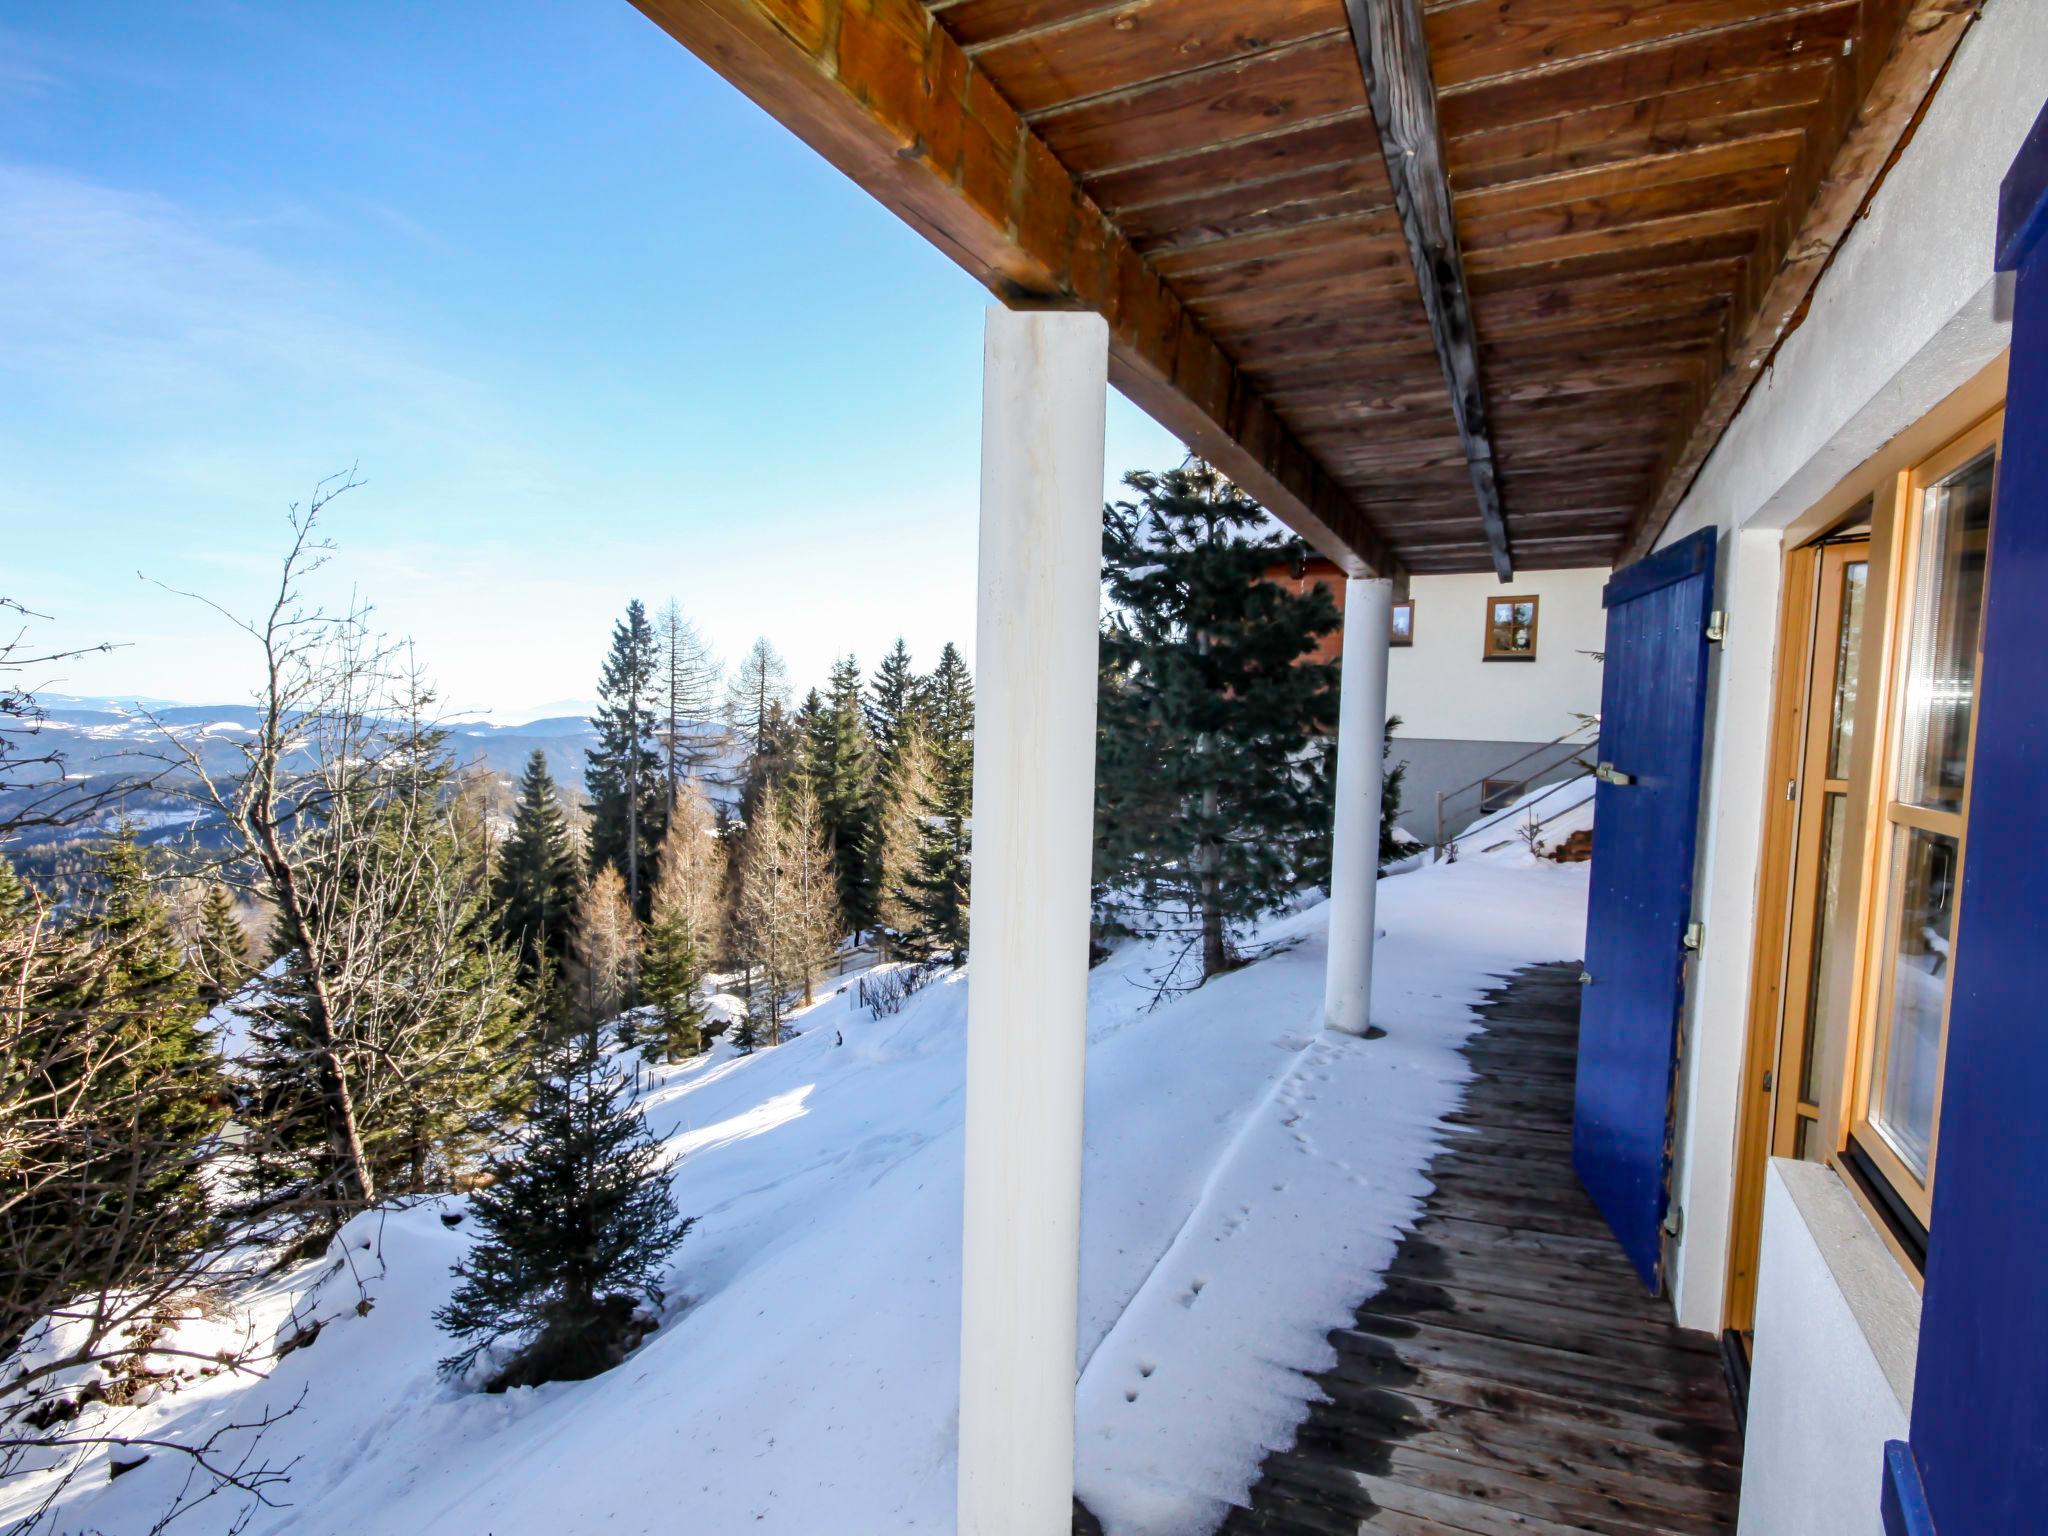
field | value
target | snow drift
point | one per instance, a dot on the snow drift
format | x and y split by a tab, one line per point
1247	1179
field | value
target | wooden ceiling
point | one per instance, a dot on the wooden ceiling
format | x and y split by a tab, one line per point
1634	200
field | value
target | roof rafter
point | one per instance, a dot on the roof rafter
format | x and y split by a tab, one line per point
1897	60
885	93
1393	54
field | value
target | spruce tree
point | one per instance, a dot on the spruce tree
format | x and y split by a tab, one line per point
839	768
624	776
221	948
892	705
1213	722
539	873
578	1226
156	1096
936	888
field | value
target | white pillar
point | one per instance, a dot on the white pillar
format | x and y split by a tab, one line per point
1044	381
1355	838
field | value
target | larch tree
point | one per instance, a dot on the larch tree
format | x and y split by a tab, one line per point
1213	719
606	950
624	777
682	931
539	876
687	682
578	1225
898	832
785	917
756	695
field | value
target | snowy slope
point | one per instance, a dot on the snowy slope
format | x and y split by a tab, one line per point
1247	1177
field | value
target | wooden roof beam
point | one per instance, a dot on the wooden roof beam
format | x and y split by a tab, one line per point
1393	54
1896	59
882	91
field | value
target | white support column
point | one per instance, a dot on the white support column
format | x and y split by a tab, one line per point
1355	837
1044	381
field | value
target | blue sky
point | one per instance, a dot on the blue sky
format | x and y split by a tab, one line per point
589	324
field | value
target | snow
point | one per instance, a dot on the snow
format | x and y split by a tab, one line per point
1248	1177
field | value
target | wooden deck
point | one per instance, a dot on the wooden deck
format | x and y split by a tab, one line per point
1512	1376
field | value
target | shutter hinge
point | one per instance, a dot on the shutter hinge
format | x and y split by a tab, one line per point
1607	773
1674	1221
1695	935
1717	626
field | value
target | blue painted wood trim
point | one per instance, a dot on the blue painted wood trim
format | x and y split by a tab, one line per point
1904	1501
1673	563
2023	199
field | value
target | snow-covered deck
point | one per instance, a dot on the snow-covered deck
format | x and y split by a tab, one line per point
1509	1374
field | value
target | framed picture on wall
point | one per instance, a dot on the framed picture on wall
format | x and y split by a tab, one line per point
1511	628
1403	624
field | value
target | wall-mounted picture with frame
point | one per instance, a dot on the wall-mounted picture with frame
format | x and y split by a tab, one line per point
1403	622
1511	628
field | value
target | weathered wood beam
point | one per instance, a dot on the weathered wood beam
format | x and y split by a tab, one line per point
1393	54
884	93
1872	102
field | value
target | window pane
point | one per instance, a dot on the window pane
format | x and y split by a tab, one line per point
1940	681
1903	1105
1848	656
1823	1063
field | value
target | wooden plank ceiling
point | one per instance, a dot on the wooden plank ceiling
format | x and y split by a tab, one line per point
1643	192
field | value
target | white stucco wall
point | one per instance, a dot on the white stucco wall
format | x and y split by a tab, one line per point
1908	313
1442	688
1837	1328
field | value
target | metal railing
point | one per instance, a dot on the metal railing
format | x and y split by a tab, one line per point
1573	740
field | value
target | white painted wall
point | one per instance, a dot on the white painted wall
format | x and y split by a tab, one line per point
1837	1328
1908	312
1442	688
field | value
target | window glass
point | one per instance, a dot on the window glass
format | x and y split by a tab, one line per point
1939	684
1902	1108
1848	655
1824	1062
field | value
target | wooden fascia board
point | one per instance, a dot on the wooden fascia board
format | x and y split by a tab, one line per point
1393	56
1897	66
884	93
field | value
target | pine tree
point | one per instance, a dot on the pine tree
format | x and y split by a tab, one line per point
839	769
898	832
578	1226
624	779
221	948
539	873
1213	722
687	680
676	953
893	707
606	950
936	888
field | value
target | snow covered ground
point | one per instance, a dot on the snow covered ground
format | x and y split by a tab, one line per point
1247	1178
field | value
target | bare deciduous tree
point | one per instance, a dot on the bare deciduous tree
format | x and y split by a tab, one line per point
606	946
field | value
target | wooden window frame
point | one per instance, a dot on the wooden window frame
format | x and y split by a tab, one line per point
1884	482
1872	1040
1535	627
